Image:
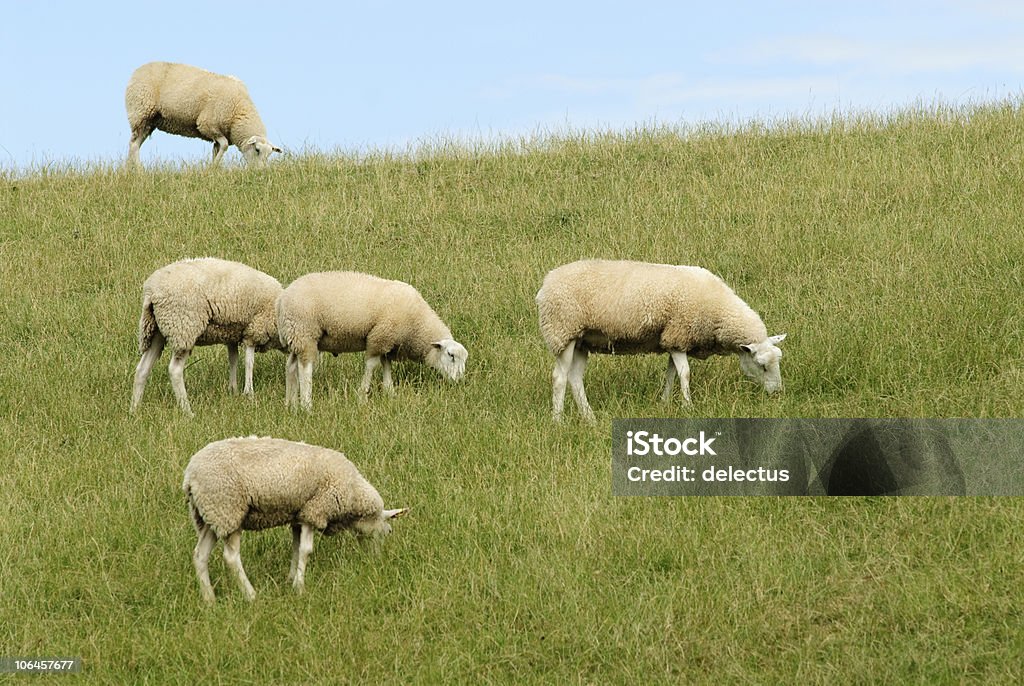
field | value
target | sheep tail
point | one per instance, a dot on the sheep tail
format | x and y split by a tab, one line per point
197	519
147	325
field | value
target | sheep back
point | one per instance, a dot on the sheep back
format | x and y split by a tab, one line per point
257	483
342	312
634	307
208	301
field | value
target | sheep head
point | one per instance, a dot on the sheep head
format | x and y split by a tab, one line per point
378	525
448	356
760	362
257	149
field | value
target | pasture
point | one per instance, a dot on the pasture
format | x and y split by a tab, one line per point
888	248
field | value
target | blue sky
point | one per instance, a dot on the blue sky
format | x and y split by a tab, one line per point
355	76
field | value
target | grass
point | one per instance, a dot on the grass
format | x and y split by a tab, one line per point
888	247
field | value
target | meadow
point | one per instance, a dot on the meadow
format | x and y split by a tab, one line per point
887	247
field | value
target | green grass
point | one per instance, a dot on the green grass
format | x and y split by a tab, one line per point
888	248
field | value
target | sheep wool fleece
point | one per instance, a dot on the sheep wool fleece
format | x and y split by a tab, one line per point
642	307
258	483
209	301
189	101
349	311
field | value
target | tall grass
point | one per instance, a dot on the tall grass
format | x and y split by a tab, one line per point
888	248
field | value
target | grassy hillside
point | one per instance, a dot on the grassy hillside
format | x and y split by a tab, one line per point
889	249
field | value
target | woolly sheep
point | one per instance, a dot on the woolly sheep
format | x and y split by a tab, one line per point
205	301
622	307
193	102
255	483
341	312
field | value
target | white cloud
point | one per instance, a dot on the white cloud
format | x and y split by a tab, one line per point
749	89
878	64
883	56
1000	9
666	88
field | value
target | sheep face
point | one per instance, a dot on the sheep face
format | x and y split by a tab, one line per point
760	362
448	357
379	525
257	149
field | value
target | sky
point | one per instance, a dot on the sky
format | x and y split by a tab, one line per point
354	77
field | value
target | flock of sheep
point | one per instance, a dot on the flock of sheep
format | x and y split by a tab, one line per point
209	301
590	306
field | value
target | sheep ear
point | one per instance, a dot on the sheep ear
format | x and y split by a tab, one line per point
775	340
747	348
391	514
439	345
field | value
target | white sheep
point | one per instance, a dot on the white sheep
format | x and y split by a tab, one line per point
205	301
341	312
193	102
622	307
255	483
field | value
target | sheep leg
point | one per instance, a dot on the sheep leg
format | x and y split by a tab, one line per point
682	366
670	380
559	377
201	559
233	559
305	373
291	381
303	546
388	384
296	539
579	365
176	370
145	366
250	359
139	136
372	362
220	146
233	367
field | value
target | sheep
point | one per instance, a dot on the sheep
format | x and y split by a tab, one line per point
193	102
623	307
205	301
341	312
254	483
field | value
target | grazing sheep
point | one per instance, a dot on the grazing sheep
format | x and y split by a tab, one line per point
342	312
255	483
193	102
205	301
626	308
